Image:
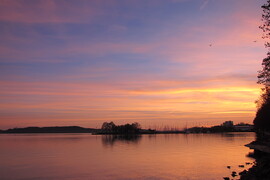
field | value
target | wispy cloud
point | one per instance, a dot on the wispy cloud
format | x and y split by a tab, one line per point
204	4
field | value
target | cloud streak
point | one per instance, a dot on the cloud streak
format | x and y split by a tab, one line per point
204	4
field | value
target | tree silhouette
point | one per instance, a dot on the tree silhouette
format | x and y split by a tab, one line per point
108	127
111	128
262	119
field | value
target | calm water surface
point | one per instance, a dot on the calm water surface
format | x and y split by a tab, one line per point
150	157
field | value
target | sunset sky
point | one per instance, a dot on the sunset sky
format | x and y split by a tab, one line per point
156	62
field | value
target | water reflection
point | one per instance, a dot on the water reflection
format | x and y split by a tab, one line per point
110	140
85	156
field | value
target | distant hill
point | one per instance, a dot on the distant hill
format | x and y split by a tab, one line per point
56	129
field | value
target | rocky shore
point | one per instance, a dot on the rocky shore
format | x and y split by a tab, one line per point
261	168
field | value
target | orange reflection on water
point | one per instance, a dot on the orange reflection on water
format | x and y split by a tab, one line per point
83	156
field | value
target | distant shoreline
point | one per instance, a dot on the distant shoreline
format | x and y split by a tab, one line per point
78	129
53	129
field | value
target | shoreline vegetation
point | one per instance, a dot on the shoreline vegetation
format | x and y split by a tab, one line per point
130	129
261	146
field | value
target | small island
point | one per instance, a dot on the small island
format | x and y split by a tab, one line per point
134	128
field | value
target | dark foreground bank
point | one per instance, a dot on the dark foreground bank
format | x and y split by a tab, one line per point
261	168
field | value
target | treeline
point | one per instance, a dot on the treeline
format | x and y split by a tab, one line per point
261	169
262	119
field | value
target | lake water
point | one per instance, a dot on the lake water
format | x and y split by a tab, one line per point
150	157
